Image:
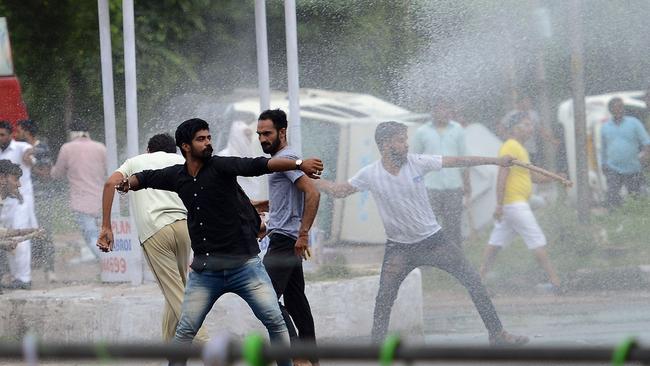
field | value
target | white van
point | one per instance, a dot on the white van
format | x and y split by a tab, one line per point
597	114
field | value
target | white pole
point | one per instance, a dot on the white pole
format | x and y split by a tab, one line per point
107	85
262	55
130	79
292	75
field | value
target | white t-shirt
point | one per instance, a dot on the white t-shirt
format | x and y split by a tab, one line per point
402	200
154	209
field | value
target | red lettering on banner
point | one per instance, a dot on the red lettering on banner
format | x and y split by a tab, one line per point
114	265
121	227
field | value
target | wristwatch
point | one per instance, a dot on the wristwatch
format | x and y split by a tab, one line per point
298	163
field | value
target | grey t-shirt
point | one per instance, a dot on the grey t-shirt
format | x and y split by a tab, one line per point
285	199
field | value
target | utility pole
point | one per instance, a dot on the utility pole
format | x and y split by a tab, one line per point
543	32
579	115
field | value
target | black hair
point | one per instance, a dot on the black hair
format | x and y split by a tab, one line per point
612	101
161	142
9	168
186	131
7	126
386	130
79	125
278	117
29	126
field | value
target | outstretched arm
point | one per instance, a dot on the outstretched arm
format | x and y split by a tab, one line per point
336	190
466	161
105	238
312	167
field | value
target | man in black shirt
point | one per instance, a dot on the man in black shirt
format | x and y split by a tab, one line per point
223	227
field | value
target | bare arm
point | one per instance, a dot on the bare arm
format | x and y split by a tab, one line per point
312	167
336	190
105	238
28	156
312	199
467	161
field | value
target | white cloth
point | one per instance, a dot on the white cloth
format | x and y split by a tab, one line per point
402	200
154	209
517	218
239	144
19	216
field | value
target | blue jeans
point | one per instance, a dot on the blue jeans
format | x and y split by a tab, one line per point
89	230
250	281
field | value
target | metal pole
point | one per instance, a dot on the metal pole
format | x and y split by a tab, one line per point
107	86
262	55
295	139
580	121
130	79
543	33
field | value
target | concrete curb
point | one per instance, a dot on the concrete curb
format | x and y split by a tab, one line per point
126	313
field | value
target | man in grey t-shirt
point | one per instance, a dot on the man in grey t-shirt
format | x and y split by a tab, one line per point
293	203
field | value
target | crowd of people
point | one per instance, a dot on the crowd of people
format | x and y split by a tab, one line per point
198	212
82	162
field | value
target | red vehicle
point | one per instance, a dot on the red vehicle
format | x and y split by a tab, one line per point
12	106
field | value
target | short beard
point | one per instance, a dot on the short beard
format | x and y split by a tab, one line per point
272	149
204	155
398	159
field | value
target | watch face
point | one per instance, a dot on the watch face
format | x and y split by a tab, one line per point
298	162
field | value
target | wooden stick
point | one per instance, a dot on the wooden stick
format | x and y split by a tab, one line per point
542	171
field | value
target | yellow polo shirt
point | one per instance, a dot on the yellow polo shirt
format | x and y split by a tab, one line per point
519	186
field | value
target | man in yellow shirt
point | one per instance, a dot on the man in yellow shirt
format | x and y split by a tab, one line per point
513	214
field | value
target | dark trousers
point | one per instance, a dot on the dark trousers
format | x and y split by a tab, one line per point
285	269
401	259
447	205
616	181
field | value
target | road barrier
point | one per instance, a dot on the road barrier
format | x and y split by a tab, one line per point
254	351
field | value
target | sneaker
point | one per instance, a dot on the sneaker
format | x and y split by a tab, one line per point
504	338
19	285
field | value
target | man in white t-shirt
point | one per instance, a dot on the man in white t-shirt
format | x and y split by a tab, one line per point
396	182
161	220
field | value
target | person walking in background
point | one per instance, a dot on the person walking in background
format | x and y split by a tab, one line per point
513	214
18	213
540	138
223	227
293	203
42	248
83	162
161	220
415	238
622	138
448	187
